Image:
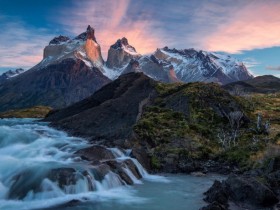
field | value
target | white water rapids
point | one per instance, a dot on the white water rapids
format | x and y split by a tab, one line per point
31	154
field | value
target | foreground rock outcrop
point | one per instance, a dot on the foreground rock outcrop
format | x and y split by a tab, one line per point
246	192
255	189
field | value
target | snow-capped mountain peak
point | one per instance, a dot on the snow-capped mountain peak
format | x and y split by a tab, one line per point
165	64
192	65
120	54
83	47
122	44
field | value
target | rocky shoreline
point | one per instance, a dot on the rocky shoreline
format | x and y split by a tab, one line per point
254	189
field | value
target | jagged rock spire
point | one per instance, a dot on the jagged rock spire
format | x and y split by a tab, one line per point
88	34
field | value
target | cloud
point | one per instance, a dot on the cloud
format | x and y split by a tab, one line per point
229	26
254	25
210	25
111	22
20	45
274	68
250	62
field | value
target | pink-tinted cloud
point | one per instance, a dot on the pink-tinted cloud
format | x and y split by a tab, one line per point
109	18
274	68
253	26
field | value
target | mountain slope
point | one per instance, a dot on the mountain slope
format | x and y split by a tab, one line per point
109	113
10	74
260	84
56	85
70	71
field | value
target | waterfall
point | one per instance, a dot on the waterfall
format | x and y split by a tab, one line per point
39	168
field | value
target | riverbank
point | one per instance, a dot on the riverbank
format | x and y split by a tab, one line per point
41	170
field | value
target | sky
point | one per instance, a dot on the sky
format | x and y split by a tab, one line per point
247	29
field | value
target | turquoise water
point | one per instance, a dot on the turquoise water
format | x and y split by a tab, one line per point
183	192
29	149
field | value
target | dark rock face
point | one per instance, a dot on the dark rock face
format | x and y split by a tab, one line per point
245	191
172	75
251	191
133	66
120	54
154	68
59	39
110	113
56	85
218	195
63	176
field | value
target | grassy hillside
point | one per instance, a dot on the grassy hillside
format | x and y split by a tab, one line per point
33	112
196	121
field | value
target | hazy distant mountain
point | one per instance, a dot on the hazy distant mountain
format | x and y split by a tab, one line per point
260	84
11	73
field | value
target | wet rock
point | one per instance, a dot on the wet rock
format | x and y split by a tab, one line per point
142	156
95	154
27	180
198	174
251	191
63	176
246	191
217	194
119	168
100	171
214	206
132	167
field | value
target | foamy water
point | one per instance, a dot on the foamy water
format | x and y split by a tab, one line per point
30	151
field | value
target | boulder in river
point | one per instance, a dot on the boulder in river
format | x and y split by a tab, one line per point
247	192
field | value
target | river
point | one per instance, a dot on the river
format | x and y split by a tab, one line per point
30	150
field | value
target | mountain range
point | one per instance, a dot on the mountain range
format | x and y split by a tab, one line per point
73	69
11	73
